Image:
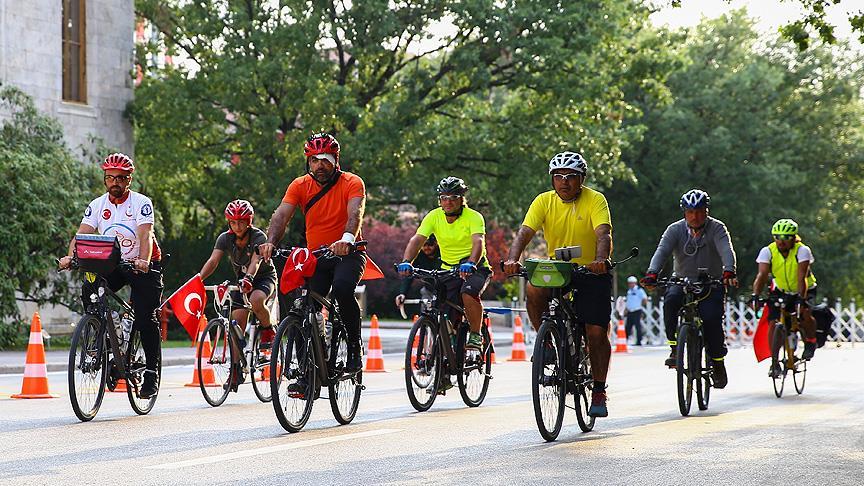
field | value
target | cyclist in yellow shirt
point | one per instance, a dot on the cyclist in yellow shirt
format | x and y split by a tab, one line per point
788	259
461	235
569	215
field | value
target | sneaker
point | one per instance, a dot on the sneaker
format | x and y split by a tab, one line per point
298	388
267	335
550	357
238	376
672	360
809	351
113	376
446	384
775	371
475	341
355	358
598	405
719	378
149	388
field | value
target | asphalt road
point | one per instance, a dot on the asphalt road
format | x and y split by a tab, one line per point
746	437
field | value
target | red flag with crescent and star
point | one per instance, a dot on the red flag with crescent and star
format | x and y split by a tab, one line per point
299	266
188	303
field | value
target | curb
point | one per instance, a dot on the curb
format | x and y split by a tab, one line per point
18	369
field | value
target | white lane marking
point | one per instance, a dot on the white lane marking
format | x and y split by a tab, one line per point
270	449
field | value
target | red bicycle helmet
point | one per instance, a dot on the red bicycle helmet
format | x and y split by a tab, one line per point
322	143
119	161
238	210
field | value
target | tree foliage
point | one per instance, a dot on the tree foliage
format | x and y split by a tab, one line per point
45	190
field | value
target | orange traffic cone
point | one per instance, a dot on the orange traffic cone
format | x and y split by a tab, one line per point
120	388
375	355
35	384
491	339
517	353
208	374
621	341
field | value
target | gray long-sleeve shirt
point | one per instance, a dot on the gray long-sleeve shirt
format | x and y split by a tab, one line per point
711	250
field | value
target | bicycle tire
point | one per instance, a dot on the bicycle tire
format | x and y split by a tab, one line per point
135	366
422	364
218	359
259	371
473	384
779	357
684	374
292	358
584	384
703	380
548	404
344	388
799	373
87	391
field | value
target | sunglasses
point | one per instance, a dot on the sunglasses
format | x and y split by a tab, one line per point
783	237
448	197
566	177
119	178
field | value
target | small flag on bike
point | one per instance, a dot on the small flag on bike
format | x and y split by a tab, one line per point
371	271
300	265
761	346
188	303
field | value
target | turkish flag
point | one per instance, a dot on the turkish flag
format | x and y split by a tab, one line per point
188	304
371	272
761	346
299	266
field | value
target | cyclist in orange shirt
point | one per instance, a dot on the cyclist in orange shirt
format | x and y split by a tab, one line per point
333	220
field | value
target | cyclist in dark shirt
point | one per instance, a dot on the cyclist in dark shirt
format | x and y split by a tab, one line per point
429	258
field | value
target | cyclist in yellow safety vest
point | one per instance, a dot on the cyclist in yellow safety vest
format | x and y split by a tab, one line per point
789	260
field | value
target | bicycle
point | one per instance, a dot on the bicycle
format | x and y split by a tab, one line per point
436	350
561	363
689	367
310	348
786	347
221	343
106	334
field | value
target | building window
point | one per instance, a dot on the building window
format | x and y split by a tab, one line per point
74	51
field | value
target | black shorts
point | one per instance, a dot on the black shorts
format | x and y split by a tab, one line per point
473	285
593	297
791	302
265	283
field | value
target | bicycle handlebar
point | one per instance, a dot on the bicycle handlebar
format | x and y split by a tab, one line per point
582	269
323	250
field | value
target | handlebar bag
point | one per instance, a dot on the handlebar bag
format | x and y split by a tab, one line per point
97	253
548	273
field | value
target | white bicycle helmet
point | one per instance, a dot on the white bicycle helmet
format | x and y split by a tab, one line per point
569	160
695	199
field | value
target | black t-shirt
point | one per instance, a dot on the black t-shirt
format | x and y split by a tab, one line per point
240	257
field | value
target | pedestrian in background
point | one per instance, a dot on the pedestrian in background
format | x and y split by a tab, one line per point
636	300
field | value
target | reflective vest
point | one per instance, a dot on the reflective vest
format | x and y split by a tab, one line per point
785	270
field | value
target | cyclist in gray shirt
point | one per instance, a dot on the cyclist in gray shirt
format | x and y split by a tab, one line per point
698	244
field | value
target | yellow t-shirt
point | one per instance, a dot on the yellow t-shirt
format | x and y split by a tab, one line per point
569	223
454	239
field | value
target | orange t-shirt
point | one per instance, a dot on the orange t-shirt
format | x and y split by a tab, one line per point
326	221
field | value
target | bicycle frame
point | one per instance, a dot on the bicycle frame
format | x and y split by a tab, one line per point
789	320
224	307
98	307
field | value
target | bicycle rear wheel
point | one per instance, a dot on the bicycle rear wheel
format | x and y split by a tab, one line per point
135	366
778	358
548	383
87	369
215	355
684	369
703	363
422	364
292	362
474	367
344	387
799	372
584	384
259	366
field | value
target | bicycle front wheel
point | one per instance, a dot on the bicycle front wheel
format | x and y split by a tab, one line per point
135	367
293	380
584	384
422	364
474	367
215	355
344	387
799	371
702	363
87	368
548	381
259	366
684	369
778	359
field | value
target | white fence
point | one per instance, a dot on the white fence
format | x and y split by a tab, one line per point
741	320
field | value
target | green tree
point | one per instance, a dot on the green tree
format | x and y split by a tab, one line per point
513	83
45	190
768	133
